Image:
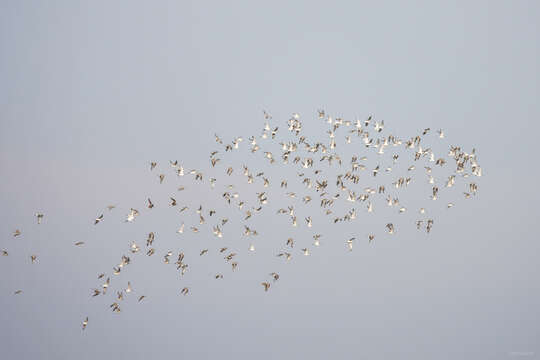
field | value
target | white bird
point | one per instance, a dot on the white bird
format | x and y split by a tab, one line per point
132	214
350	243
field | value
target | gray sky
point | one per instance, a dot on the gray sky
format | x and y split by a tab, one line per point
91	92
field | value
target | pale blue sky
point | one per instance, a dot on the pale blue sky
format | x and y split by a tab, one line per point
90	92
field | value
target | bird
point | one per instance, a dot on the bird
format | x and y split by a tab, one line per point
105	285
134	248
98	219
441	133
16	233
290	242
181	229
150	239
350	243
266	285
85	323
39	218
287	255
133	213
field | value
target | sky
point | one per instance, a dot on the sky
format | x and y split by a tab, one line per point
91	92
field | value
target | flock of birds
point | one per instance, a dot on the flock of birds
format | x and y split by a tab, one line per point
324	177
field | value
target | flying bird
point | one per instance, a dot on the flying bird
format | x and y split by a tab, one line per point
98	219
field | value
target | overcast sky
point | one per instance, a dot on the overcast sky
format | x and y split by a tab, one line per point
91	92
